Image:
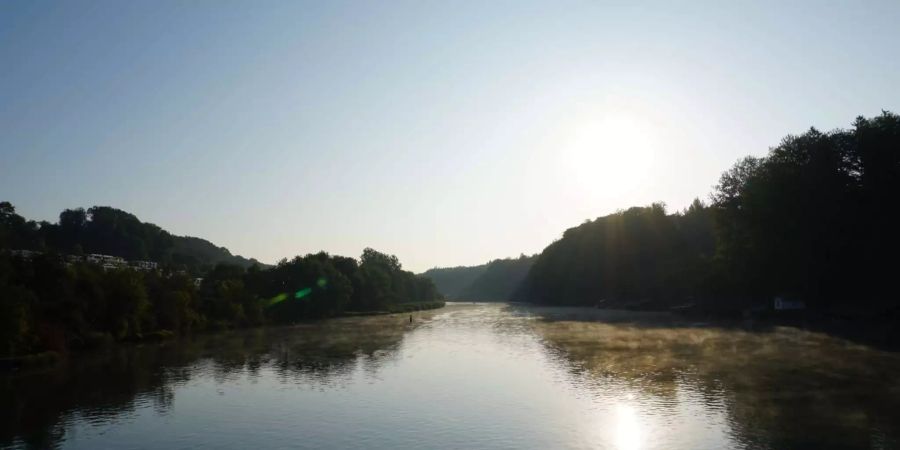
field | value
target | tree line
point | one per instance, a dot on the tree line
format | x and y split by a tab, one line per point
110	231
814	220
495	281
452	281
48	303
640	257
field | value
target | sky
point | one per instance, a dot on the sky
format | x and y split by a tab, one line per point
446	133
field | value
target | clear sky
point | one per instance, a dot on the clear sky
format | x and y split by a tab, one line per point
445	132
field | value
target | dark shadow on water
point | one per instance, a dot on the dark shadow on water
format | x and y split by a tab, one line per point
109	385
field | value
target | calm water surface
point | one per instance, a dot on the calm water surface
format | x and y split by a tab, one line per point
467	376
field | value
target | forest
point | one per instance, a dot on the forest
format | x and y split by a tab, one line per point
813	221
495	281
49	303
110	231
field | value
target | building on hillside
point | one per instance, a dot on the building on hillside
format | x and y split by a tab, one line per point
144	265
71	260
106	261
25	254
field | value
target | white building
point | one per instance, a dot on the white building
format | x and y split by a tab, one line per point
107	261
144	265
26	254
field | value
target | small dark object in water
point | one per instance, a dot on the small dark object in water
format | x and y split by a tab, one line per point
410	318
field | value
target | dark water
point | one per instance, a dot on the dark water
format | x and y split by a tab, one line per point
467	376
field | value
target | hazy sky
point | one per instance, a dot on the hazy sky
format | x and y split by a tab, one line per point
444	132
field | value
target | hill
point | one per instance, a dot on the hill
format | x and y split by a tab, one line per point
110	231
452	281
499	280
812	222
495	281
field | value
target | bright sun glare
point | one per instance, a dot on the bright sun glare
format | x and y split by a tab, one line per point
610	157
628	430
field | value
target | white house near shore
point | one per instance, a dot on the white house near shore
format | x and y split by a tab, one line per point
108	262
144	265
105	260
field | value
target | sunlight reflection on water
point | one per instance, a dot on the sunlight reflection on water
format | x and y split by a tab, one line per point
628	430
467	376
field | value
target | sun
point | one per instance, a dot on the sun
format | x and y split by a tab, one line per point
610	157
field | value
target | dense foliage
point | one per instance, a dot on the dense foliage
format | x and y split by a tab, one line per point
320	285
630	256
452	281
814	220
500	279
110	231
48	303
495	281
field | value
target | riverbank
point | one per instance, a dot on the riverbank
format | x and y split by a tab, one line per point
395	309
877	331
42	359
481	375
102	340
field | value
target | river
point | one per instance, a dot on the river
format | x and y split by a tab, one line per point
466	376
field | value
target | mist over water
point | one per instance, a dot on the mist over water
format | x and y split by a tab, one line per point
467	376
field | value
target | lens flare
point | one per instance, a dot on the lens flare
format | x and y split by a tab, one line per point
277	299
321	283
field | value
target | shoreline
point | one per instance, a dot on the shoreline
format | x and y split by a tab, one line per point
877	331
48	358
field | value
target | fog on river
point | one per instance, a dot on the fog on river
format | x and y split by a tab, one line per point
466	376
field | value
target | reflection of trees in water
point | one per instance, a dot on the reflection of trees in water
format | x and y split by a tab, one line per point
98	389
785	388
326	354
105	386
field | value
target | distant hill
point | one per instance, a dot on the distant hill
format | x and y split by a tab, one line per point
111	231
451	281
196	251
495	281
638	256
500	279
